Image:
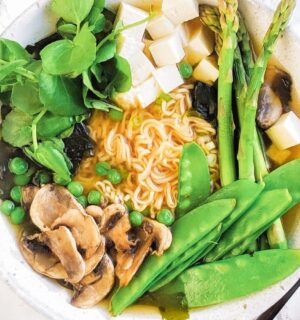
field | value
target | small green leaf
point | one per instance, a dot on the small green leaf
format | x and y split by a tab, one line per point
11	51
74	11
61	95
66	57
16	128
25	97
97	70
9	68
86	76
67	29
107	51
122	80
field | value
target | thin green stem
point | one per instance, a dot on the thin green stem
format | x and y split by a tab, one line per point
34	127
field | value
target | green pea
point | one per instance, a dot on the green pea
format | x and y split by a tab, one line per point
21	179
102	168
58	180
75	188
136	218
114	176
83	200
115	115
18	166
7	207
44	177
166	216
186	70
16	194
17	216
94	197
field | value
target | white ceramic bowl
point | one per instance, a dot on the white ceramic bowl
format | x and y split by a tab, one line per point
30	20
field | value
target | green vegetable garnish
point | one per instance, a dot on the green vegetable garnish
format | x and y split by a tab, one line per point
136	218
94	197
16	194
186	70
60	181
18	166
102	168
17	216
166	216
114	176
75	188
21	179
115	115
7	207
83	200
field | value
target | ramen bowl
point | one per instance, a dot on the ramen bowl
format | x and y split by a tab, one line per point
28	21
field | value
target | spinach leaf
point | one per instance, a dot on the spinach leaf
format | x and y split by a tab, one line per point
66	57
61	95
51	125
107	51
50	154
25	97
67	30
74	11
16	128
11	51
86	77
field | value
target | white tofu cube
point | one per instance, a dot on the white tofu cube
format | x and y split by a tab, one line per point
147	92
127	46
201	44
168	78
128	15
207	70
160	26
285	133
182	33
179	11
126	100
167	50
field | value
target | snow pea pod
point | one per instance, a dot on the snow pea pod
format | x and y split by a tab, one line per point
237	277
244	191
186	231
269	207
193	180
187	259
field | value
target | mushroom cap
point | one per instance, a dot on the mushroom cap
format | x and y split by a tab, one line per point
96	212
93	261
63	245
91	293
28	194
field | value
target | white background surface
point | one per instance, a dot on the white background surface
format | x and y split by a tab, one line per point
13	308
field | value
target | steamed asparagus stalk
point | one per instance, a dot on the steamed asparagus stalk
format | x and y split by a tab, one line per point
246	145
229	26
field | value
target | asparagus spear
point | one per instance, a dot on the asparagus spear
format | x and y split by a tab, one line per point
246	145
229	25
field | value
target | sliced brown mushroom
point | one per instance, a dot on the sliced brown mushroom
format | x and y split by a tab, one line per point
92	262
151	232
115	225
92	292
269	107
63	245
96	212
28	194
41	258
84	230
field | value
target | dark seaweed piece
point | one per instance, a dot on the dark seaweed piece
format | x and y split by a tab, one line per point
40	45
204	100
79	145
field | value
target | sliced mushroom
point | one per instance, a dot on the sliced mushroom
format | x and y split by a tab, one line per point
91	263
41	258
115	225
151	232
50	203
84	230
269	107
96	212
63	245
28	194
91	292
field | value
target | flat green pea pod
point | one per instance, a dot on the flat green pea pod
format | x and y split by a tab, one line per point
268	208
186	231
194	179
187	259
52	125
244	191
237	277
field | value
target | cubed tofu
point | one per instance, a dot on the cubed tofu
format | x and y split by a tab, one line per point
168	78
127	46
182	33
126	100
147	92
207	70
160	27
129	14
167	50
179	11
201	43
285	133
